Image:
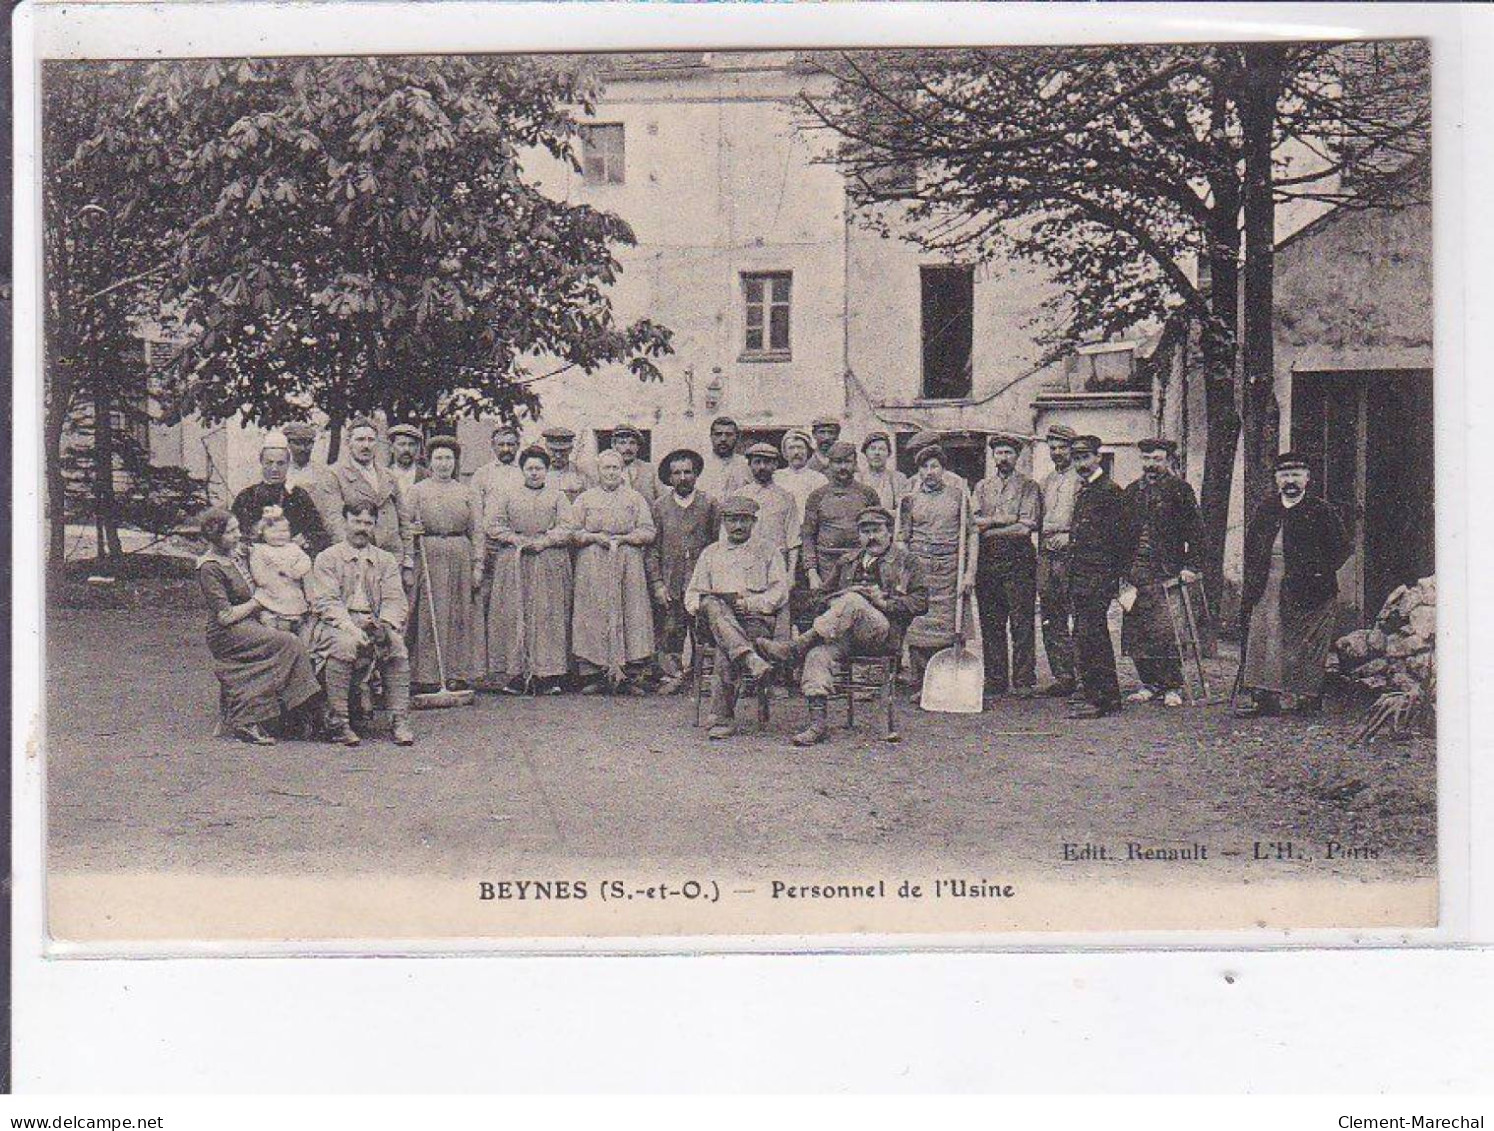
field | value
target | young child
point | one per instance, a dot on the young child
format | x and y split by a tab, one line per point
278	566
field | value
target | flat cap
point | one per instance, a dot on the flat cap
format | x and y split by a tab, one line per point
740	506
825	422
1006	440
923	439
873	437
1081	444
626	430
1156	444
450	443
768	451
1062	432
873	515
559	433
301	430
840	449
405	430
1291	461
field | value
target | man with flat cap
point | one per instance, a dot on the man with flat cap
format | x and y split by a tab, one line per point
864	610
825	431
638	474
920	440
1294	547
777	514
359	478
1060	487
1169	546
828	532
1099	552
499	474
301	436
564	475
725	472
735	592
405	449
1008	509
273	490
686	521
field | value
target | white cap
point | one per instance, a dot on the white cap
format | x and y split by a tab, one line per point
274	439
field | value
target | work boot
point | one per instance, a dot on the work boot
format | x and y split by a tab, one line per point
787	651
756	666
253	734
819	727
403	735
339	732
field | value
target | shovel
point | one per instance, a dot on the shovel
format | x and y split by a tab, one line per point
955	678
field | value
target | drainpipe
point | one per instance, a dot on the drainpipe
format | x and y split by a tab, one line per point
845	303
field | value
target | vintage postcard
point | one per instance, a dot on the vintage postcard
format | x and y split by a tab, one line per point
945	492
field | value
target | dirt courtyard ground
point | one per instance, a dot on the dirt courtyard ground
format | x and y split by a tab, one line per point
136	782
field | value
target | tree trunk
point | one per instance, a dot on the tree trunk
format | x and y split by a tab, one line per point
1260	413
1219	355
105	503
57	405
334	436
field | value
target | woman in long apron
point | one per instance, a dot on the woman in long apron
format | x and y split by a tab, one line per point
529	530
450	558
929	527
612	623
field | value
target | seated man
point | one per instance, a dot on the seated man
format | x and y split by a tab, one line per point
736	590
868	602
360	605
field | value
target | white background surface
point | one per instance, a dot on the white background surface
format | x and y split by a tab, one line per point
1357	1020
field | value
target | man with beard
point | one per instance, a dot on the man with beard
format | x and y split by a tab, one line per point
638	474
1099	551
725	472
1163	514
825	431
501	472
686	521
1294	546
867	606
273	490
1008	510
829	528
405	443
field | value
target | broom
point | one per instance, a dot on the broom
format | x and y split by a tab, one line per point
435	700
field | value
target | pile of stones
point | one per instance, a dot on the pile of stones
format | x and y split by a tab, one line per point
1399	651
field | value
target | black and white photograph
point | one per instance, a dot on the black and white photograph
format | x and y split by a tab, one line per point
949	491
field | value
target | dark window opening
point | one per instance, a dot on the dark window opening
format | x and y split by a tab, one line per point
948	332
602	154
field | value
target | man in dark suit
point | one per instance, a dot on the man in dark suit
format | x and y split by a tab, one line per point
1100	548
307	527
1294	546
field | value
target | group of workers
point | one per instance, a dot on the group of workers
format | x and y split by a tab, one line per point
539	576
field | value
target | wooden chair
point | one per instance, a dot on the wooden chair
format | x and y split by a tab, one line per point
870	679
703	665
